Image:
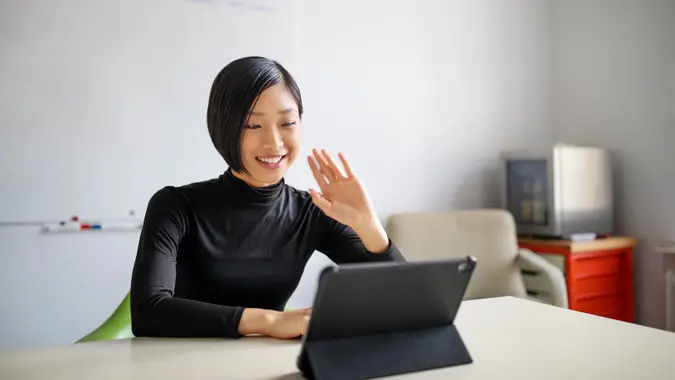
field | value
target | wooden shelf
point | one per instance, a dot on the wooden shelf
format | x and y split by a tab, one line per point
584	246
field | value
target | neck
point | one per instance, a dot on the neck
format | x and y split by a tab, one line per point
252	182
247	190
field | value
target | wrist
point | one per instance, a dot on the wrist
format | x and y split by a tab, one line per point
372	234
257	321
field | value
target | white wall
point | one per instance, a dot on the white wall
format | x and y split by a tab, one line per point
421	95
613	71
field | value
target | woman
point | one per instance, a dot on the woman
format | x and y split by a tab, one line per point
220	258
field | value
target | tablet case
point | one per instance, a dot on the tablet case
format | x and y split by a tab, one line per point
404	347
383	354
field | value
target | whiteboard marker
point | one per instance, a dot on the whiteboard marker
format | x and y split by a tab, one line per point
70	226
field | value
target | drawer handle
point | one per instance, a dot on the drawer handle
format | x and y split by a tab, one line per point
534	293
597	295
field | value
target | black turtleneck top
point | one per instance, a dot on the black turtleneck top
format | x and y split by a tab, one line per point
210	249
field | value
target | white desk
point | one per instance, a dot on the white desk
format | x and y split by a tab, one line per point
507	337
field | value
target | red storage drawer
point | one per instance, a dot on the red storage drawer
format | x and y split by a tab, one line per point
596	286
606	306
593	266
599	273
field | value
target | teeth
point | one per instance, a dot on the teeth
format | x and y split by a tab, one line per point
273	160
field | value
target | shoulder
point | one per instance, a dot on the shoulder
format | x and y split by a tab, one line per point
197	190
175	206
295	193
303	200
180	197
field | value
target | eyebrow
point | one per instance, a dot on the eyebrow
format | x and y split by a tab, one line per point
281	112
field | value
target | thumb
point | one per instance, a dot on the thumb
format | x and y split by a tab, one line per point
320	201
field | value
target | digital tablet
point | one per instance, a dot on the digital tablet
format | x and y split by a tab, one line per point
391	304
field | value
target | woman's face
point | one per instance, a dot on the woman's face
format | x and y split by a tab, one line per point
271	138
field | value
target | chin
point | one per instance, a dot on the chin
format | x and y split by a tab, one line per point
268	173
264	179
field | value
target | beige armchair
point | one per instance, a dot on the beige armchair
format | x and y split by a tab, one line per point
490	236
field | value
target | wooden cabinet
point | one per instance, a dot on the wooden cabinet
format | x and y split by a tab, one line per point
598	273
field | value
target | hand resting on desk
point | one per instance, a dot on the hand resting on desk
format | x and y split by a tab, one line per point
276	324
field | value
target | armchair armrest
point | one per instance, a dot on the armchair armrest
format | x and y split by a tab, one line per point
530	260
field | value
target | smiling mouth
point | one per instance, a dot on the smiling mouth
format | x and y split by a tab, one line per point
271	160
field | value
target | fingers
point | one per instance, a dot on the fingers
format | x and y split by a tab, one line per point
345	164
326	165
324	168
305	325
331	165
320	179
305	316
306	311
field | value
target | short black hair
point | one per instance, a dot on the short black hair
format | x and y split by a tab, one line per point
234	92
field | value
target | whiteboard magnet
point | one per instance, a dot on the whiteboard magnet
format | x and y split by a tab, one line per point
91	226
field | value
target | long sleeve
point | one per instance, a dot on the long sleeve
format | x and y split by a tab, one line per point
342	245
154	309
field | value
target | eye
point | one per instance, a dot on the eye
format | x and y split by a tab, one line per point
253	126
289	124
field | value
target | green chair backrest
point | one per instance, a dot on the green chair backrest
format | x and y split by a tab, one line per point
117	326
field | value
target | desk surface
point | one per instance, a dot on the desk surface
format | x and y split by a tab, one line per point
508	338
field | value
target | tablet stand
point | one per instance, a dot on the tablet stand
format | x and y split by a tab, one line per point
383	354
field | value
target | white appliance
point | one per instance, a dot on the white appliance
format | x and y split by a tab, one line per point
560	191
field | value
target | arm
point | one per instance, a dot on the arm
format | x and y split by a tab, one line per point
154	309
349	230
372	234
368	242
556	279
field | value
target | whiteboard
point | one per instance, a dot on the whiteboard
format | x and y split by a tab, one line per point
104	102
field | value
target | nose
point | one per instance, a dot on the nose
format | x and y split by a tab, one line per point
272	139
